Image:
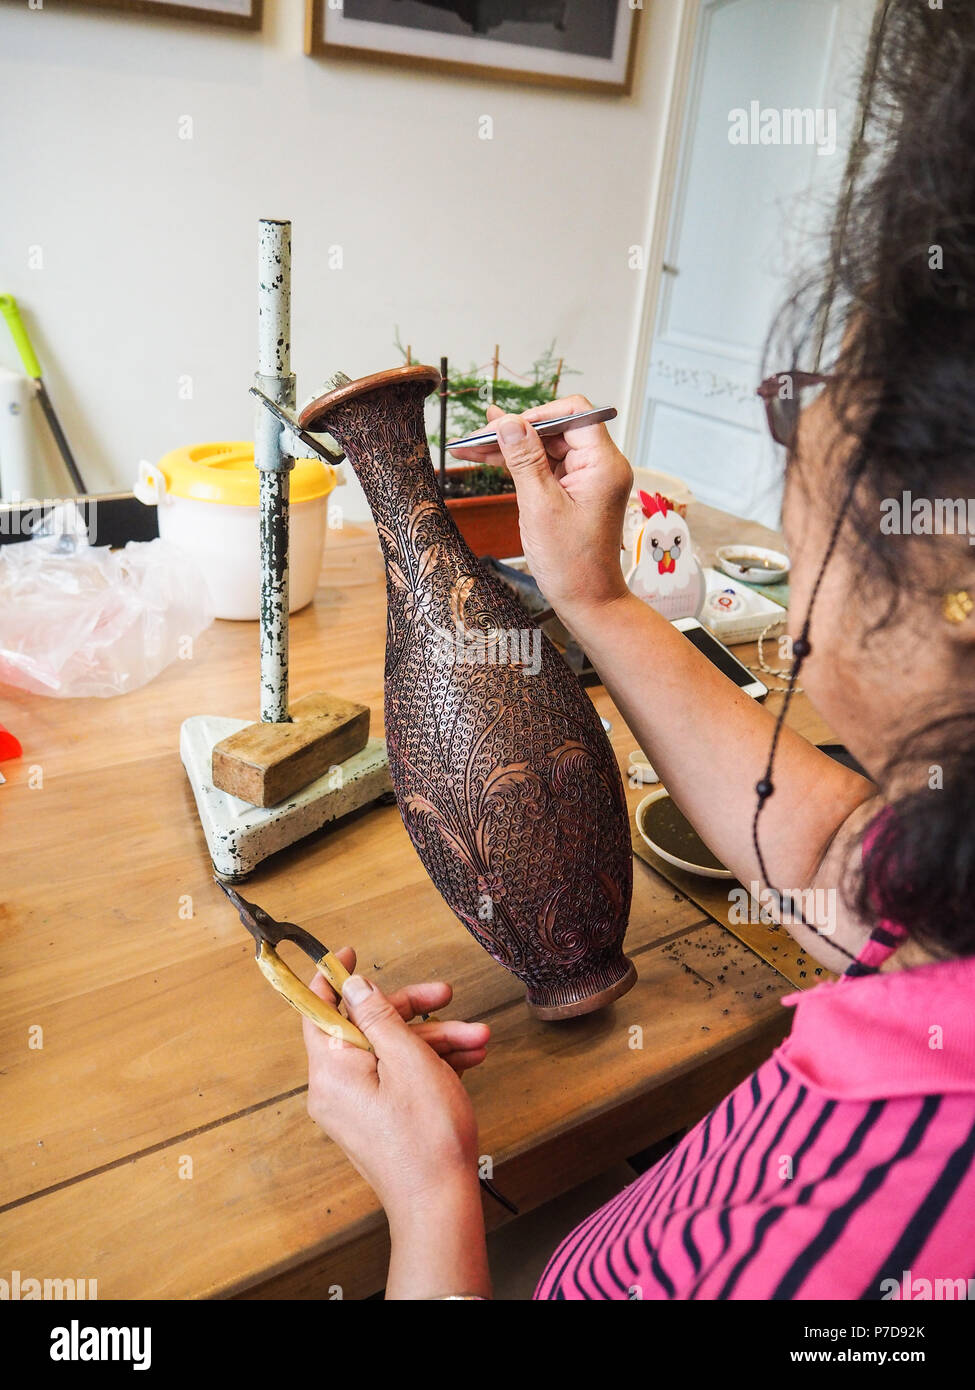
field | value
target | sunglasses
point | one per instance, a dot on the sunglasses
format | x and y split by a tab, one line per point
782	395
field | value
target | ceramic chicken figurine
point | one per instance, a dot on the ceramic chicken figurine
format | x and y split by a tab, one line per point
505	780
665	571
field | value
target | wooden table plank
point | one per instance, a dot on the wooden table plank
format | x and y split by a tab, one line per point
161	1038
131	1059
269	1193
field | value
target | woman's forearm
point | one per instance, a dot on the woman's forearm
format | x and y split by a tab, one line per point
438	1244
709	743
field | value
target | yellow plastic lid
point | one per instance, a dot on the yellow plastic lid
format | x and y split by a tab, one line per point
225	472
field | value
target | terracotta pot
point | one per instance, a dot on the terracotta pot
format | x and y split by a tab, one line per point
488	524
505	780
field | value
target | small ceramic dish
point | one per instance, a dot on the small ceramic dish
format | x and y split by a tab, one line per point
639	769
668	833
723	603
753	563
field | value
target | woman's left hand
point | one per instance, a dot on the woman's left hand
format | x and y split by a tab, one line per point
401	1112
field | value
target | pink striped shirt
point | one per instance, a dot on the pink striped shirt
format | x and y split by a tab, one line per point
843	1168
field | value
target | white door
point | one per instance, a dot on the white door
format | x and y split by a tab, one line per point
742	222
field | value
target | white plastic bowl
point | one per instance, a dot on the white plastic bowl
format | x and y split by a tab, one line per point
224	537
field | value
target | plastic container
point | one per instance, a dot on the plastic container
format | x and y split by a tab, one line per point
208	497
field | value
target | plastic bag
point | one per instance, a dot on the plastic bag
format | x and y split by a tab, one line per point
82	620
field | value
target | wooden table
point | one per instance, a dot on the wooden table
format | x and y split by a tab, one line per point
154	1132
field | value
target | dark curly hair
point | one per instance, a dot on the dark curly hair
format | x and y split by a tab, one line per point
894	318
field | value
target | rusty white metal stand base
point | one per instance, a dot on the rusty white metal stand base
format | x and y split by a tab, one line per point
240	836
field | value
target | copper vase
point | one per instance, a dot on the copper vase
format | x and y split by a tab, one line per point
505	780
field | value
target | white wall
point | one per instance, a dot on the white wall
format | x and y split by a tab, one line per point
149	240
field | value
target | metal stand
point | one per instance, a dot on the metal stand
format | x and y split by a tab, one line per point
276	379
239	835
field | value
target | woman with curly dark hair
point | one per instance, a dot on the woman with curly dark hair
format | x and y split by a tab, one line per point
849	1156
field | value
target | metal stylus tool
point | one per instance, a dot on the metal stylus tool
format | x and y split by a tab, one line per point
291	421
542	427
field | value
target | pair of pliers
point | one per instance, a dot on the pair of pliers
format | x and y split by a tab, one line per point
268	933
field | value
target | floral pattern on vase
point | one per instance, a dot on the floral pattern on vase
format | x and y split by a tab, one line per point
504	777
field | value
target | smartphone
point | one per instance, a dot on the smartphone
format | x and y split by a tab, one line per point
719	655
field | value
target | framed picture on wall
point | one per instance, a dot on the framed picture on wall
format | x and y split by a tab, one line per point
245	14
584	44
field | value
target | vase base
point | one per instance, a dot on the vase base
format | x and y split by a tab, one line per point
552	1013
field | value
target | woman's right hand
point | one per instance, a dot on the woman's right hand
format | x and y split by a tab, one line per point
572	492
400	1112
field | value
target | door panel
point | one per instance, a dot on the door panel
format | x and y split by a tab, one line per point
743	222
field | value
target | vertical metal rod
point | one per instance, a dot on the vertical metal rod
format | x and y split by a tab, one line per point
443	424
275	378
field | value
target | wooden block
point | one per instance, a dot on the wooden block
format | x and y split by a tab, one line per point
266	763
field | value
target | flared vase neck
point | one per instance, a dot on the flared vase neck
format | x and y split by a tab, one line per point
384	438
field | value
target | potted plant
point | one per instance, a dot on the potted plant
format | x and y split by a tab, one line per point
481	497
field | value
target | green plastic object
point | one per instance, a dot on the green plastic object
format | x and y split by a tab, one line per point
8	307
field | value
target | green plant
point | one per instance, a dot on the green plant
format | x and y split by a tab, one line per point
470	394
484	480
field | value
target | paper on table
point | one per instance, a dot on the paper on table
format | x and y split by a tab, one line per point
778	593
